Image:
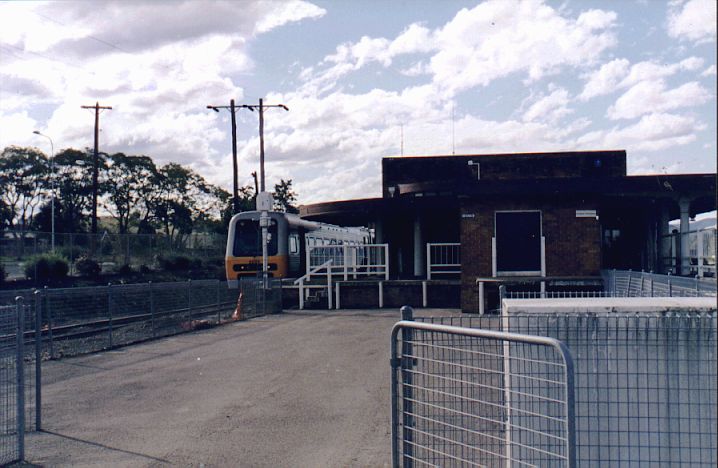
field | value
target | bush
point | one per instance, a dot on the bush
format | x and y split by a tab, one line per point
88	267
178	263
2	273
46	267
125	270
144	269
73	253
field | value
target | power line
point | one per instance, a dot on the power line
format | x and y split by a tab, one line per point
97	108
109	44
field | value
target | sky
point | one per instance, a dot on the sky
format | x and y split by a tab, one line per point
363	80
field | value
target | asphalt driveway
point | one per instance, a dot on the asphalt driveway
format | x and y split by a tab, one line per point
300	389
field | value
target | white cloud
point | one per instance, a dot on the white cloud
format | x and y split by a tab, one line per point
549	108
606	79
654	132
652	96
710	71
694	20
289	12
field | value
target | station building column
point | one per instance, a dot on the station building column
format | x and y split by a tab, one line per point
684	204
664	241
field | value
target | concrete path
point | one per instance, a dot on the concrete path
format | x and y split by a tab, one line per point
300	389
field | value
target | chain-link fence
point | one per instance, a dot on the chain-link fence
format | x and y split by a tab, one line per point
627	283
645	385
88	319
19	378
469	397
110	250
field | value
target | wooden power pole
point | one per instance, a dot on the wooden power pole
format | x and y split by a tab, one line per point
95	169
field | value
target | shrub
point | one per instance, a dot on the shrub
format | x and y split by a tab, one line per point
144	269
125	270
88	267
46	267
2	273
178	262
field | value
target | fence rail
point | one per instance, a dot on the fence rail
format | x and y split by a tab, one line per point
88	319
627	283
645	385
443	259
469	397
365	260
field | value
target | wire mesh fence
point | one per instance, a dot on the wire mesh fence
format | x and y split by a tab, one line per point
645	385
87	319
19	378
627	283
109	249
467	397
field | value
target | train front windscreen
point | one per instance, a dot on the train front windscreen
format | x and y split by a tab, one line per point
248	239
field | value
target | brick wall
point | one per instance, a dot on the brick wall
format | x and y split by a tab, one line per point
573	245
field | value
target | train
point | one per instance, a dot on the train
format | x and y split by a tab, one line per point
288	238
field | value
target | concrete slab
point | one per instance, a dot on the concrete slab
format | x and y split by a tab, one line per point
609	304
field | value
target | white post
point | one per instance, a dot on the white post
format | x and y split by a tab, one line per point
684	205
336	290
699	252
543	289
386	262
381	294
329	287
301	294
543	256
507	385
345	261
309	266
481	298
424	300
493	257
428	261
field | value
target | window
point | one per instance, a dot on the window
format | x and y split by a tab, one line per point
293	244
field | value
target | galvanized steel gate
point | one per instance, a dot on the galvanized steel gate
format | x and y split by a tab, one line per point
471	397
19	378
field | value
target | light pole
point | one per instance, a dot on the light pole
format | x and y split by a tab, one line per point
52	185
264	199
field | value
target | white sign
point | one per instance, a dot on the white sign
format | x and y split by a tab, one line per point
468	215
585	213
264	201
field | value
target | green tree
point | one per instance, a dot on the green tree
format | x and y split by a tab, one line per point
23	184
130	188
285	197
73	181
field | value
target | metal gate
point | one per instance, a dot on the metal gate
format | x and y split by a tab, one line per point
12	378
472	397
260	297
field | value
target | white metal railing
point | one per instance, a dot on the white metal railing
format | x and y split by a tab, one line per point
443	258
349	260
701	256
315	271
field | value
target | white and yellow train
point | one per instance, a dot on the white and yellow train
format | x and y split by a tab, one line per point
289	237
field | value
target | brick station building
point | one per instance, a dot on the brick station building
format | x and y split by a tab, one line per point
563	214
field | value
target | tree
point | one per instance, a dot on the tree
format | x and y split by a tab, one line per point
73	175
130	188
23	184
285	197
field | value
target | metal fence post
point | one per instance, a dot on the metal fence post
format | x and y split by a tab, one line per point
109	311
48	311
38	360
670	285
614	281
698	285
152	309
407	313
20	375
219	317
189	299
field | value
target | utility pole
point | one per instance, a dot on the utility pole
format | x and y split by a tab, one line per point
264	199
97	108
256	184
235	186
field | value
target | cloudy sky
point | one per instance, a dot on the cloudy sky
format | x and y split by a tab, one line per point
363	79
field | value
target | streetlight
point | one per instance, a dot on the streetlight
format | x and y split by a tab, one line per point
52	185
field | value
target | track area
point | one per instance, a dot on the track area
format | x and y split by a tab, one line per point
304	389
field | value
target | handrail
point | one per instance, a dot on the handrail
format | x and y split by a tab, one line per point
313	270
300	281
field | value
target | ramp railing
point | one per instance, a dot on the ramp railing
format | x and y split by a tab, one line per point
355	261
470	397
443	259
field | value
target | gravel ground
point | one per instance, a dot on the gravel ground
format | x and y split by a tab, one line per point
299	389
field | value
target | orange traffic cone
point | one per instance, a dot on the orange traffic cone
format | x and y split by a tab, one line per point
237	314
